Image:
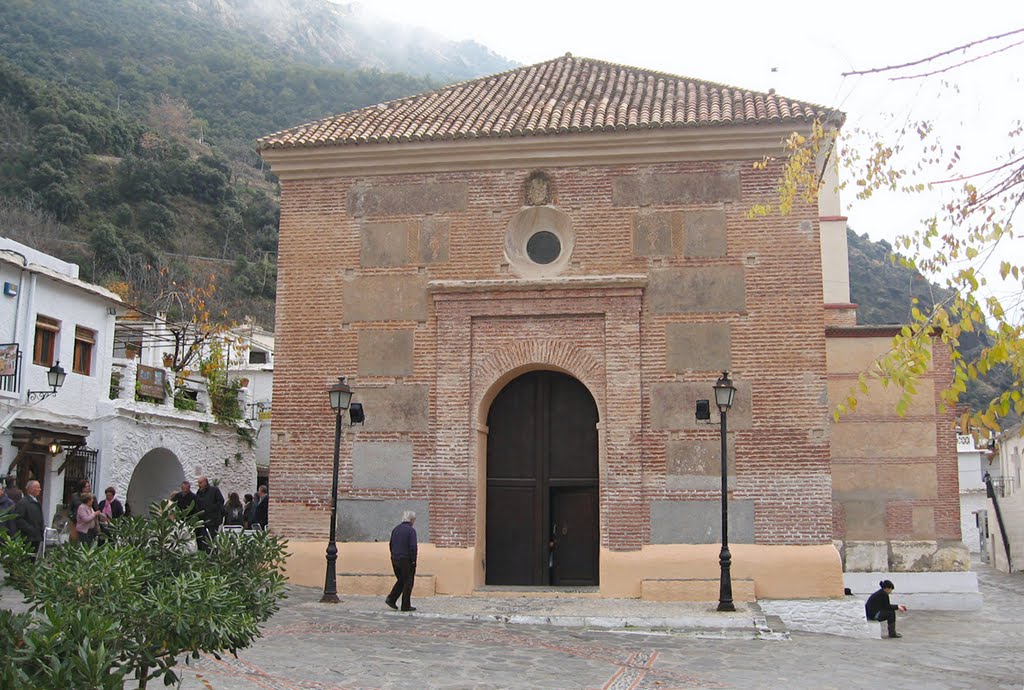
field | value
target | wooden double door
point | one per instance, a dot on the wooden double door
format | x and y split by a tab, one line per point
542	483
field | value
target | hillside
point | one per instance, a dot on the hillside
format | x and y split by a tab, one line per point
350	35
127	132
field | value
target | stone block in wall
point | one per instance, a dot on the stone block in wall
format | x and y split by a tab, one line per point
927	555
874	482
881	400
705	233
385	298
433	241
697	289
656	234
673	406
385	353
865	520
407	199
922	520
898	439
697	464
385	244
865	556
698	347
385	465
669	189
373	519
700	522
398	407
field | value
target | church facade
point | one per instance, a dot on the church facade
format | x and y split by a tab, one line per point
530	280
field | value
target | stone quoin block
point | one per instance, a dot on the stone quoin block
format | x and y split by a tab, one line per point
385	244
398	407
385	298
676	188
697	289
656	234
385	353
873	482
700	522
865	520
697	347
381	465
361	519
433	241
705	233
407	199
673	406
852	439
697	464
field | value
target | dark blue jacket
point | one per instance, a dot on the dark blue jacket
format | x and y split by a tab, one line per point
403	542
7	506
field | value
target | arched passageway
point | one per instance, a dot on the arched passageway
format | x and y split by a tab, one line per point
157	475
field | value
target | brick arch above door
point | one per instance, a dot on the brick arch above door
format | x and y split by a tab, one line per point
517	358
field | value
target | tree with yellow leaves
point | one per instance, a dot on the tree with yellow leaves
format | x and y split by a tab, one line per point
962	245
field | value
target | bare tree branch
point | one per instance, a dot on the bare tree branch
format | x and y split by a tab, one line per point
959	64
875	70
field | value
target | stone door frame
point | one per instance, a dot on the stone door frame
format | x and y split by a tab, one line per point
611	372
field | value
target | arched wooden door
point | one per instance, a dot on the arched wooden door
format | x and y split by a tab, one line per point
542	483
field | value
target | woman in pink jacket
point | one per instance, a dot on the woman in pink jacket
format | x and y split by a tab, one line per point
87	523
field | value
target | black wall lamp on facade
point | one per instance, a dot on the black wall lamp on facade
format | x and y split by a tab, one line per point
55	376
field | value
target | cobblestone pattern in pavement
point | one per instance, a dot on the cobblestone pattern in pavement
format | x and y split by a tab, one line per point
312	646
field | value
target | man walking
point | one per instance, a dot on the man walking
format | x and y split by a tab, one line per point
210	504
30	516
403	561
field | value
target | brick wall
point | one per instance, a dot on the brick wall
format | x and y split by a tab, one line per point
351	249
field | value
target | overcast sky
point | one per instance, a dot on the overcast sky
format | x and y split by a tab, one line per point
799	49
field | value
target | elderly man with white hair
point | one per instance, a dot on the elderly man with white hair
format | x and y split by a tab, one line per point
403	561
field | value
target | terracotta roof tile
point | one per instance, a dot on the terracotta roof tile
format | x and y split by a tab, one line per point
568	94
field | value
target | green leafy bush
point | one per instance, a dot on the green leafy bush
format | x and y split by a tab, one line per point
136	605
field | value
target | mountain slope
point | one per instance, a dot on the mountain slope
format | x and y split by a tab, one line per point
349	35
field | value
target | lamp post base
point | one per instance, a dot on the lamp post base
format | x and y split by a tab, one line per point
330	599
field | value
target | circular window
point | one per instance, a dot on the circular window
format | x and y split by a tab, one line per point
543	247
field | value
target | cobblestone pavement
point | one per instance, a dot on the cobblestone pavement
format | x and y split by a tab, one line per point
309	645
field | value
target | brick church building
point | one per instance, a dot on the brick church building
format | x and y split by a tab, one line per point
530	279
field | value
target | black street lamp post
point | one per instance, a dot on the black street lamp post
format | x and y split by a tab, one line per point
725	391
341	399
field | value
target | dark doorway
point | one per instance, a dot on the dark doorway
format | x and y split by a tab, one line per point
542	483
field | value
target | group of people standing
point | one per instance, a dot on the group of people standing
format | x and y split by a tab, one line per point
87	516
209	504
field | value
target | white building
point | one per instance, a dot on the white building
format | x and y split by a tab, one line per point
1006	506
972	464
50	318
112	421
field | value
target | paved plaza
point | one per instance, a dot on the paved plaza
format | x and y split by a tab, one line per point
463	643
352	645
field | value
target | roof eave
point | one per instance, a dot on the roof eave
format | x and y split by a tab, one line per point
732	142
